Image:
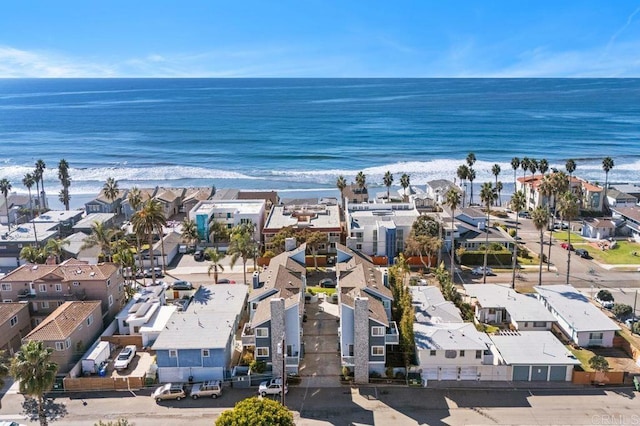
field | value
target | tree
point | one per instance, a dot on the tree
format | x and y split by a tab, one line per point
540	219
452	200
463	174
65	181
515	164
277	242
388	181
361	181
533	166
189	232
488	196
145	223
28	180
524	165
605	295
134	197
543	166
421	245
404	182
471	159
123	256
33	254
215	257
341	184
256	412
607	165
621	311
559	183
499	188
218	231
4	367
111	190
471	176
242	246
568	210
518	201
40	166
54	247
495	170
313	240
33	368
599	363
102	237
5	188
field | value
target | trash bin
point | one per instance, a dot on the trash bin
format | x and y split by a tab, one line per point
636	383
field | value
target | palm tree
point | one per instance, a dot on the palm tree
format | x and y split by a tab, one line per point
452	200
488	196
189	232
37	175
543	166
559	183
387	180
215	257
404	182
471	175
54	247
570	166
499	188
463	174
4	368
65	180
101	236
524	165
134	197
33	369
40	166
5	188
546	191
518	202
515	164
495	170
242	246
540	219
341	183
607	165
123	256
146	222
471	159
28	182
111	190
361	181
568	210
533	166
32	254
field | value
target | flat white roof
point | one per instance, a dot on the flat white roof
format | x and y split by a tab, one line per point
159	319
25	232
532	347
241	206
449	336
309	216
575	308
87	221
521	307
57	216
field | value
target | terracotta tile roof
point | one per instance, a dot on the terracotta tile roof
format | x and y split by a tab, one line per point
70	270
61	323
8	310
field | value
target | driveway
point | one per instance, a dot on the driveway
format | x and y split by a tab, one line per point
321	364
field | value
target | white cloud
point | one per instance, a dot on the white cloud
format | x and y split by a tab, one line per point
22	63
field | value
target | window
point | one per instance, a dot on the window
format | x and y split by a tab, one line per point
262	351
76	283
90	320
59	346
358	246
377	350
350	349
205	353
110	299
44	305
67	343
58	287
450	354
432	353
6	287
262	332
461	353
60	302
14	320
526	324
492	311
108	283
7	301
228	215
478	354
595	336
377	331
173	353
43	288
539	324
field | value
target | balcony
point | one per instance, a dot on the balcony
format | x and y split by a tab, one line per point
26	293
248	337
292	361
392	337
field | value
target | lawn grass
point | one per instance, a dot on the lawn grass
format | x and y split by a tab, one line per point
316	290
621	254
583	355
564	236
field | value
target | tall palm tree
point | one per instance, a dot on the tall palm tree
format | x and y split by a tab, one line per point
463	173
499	188
189	232
65	180
388	180
101	236
471	159
533	166
40	166
543	166
568	210
54	247
37	175
452	200
518	202
215	257
488	196
341	184
64	197
33	369
33	254
515	164
123	256
545	189
471	176
134	197
361	180
540	219
404	183
242	246
5	188
495	170
146	222
570	166
524	165
28	180
559	183
607	165
111	190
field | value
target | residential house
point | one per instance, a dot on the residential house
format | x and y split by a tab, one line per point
628	188
355	195
145	195
323	218
63	219
15	323
578	318
276	310
500	305
145	314
366	328
26	234
197	344
69	331
86	224
627	221
617	198
589	195
74	247
194	195
170	200
230	213
472	231
379	229
535	356
270	198
171	241
598	227
46	287
103	204
16	202
437	190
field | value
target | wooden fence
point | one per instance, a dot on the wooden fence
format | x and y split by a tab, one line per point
597	377
123	340
102	383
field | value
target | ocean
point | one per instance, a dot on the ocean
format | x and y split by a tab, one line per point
297	135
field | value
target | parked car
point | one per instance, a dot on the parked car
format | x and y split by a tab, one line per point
566	246
478	270
607	304
630	321
560	225
182	285
157	270
272	387
169	391
198	256
125	357
525	214
583	253
225	281
327	283
212	388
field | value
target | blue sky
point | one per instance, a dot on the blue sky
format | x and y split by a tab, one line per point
319	38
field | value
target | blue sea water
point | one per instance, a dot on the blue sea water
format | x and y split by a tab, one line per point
300	134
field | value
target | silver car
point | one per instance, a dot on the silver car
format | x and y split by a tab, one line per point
212	388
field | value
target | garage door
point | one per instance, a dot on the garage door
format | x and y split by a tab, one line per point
521	373
539	373
469	373
558	373
449	373
430	373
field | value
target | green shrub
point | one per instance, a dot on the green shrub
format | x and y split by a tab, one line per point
258	366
